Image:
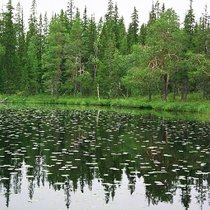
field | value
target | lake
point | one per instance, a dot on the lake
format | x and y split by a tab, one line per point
58	159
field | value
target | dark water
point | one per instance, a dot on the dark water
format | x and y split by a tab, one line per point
85	160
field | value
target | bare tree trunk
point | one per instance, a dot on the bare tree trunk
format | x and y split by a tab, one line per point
94	74
98	92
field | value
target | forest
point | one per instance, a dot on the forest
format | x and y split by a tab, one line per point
73	55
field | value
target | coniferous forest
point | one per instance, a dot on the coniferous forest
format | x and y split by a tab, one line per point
71	54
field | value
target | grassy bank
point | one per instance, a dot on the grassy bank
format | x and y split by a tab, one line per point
192	105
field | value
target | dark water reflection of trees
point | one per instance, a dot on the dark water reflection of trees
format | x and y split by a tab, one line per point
70	149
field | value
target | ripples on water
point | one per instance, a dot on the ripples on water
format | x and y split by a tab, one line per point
59	159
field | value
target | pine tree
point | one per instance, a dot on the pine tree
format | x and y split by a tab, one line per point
32	65
92	48
189	27
121	37
143	34
110	11
119	31
106	48
75	63
45	29
201	36
133	30
21	46
70	12
85	19
33	28
152	14
55	56
85	36
155	12
40	46
1	52
9	61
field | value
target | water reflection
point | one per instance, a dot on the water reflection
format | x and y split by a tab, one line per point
69	150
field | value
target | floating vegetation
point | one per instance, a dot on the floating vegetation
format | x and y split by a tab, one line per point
71	150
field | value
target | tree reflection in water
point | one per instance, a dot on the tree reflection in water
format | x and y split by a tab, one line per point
68	150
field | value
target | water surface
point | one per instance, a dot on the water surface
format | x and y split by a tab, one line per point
90	159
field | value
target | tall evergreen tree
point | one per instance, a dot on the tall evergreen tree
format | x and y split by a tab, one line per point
201	38
33	22
40	46
45	30
70	12
143	34
9	61
1	51
106	49
121	37
85	36
120	32
76	49
55	56
152	14
189	27
32	65
92	47
110	10
133	29
21	46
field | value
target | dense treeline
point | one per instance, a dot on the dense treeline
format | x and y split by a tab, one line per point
73	55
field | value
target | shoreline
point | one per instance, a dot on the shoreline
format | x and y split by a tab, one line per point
194	106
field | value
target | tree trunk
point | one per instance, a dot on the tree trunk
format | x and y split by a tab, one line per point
165	88
98	92
174	91
150	95
184	90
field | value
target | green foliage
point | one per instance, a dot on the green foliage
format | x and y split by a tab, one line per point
8	64
54	56
133	30
76	56
142	81
189	27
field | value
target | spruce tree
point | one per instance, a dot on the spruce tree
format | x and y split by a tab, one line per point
9	61
121	36
133	30
189	27
85	37
32	65
55	56
1	53
120	32
143	34
21	46
110	11
40	46
92	47
70	12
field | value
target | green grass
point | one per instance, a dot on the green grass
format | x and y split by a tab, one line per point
194	104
